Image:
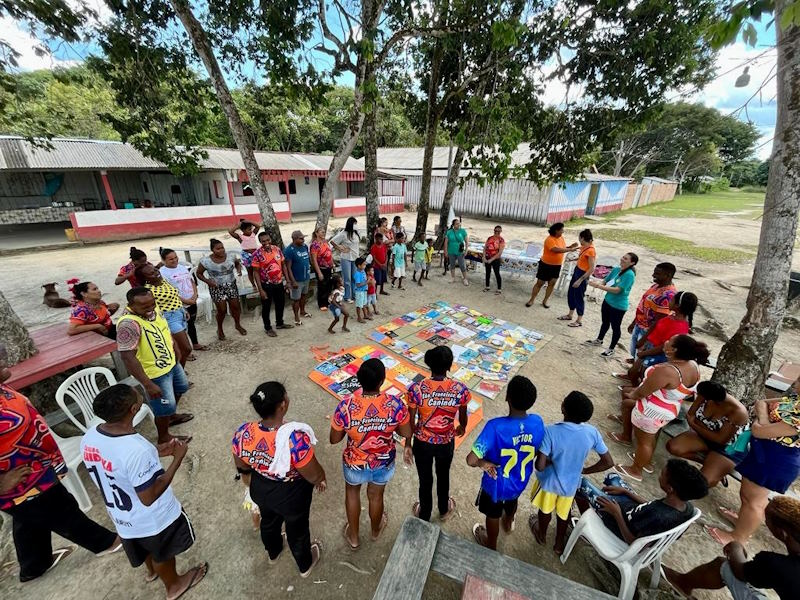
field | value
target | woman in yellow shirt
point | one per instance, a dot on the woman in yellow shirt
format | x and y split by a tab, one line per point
550	263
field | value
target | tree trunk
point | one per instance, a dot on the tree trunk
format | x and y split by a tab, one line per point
202	46
745	359
370	137
431	128
619	157
13	334
452	181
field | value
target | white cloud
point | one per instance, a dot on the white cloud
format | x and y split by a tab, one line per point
33	54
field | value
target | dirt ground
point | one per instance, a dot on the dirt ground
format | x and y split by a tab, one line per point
226	375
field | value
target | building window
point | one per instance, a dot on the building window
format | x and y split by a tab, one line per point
175	189
357	188
247	190
282	187
307	179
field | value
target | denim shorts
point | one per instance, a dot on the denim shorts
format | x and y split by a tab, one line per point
379	476
372	299
300	291
172	384
176	319
739	589
335	311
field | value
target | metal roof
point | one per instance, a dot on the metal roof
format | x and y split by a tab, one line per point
408	162
657	179
17	154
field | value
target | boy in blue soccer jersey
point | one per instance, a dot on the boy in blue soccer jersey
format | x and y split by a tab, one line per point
505	450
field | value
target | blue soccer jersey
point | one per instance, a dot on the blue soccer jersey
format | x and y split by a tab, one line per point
511	444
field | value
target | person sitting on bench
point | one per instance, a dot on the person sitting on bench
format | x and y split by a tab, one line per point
719	432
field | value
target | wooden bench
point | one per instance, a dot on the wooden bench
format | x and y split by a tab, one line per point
59	352
422	547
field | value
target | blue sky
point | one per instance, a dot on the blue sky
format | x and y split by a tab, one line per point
720	93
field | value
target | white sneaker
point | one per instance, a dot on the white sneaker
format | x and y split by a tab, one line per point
465	282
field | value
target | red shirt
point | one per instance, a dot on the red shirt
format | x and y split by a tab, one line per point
378	252
665	328
438	402
369	422
322	250
370	286
269	264
492	246
25	439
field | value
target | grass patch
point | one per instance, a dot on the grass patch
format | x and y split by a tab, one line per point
708	206
664	244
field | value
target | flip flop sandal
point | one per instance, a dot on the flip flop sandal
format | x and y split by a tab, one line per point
615	418
620	375
479	533
307	315
200	570
191	357
314	563
533	522
621	471
614	436
564	318
451	510
150	578
345	531
498	293
575	324
728	514
61	554
181	419
113	550
384	523
649	469
415	509
298	323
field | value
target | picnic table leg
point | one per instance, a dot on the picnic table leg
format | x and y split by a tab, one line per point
119	366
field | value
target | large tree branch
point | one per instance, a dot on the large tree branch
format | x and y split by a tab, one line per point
421	32
341	55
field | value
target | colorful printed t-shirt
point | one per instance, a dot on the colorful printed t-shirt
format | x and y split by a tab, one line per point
84	313
254	444
166	295
336	296
269	264
492	246
223	273
369	422
181	278
378	252
584	256
655	301
399	254
437	402
322	250
25	439
124	270
787	410
549	256
665	328
510	443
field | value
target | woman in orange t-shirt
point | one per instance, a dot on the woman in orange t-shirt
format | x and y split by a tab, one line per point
587	259
550	263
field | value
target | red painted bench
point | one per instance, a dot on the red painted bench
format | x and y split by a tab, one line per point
59	352
476	588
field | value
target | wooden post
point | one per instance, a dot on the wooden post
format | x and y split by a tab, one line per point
107	188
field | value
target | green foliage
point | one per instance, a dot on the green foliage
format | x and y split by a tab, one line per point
665	244
66	102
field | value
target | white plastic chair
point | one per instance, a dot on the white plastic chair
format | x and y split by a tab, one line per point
71	449
81	388
204	304
629	559
516	245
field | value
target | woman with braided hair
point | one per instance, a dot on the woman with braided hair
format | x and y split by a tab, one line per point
766	570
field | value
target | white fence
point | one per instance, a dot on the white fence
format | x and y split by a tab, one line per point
515	199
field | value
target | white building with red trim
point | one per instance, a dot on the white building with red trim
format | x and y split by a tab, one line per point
109	190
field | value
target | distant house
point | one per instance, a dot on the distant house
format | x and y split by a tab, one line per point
519	199
109	190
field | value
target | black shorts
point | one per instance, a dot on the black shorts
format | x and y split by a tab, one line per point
380	276
545	272
177	537
492	509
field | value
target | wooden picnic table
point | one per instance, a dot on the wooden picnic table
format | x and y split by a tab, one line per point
422	547
59	352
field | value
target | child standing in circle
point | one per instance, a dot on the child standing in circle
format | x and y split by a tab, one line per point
429	250
372	288
336	304
360	285
420	250
247	238
399	252
505	451
559	466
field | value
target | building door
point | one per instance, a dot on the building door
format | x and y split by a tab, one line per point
321	182
593	192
